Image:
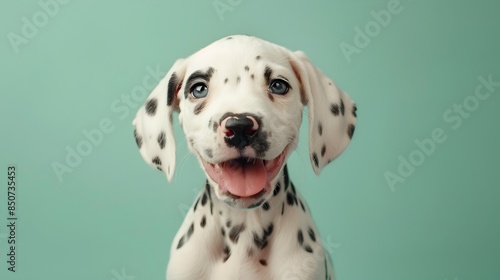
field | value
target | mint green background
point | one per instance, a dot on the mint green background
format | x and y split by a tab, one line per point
114	212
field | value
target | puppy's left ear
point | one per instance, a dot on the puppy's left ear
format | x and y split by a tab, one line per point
332	113
153	127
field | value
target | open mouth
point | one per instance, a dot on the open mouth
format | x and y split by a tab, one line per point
245	177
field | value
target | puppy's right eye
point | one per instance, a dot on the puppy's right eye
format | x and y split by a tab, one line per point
199	90
279	87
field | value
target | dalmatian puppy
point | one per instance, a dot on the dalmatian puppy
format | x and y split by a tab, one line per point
240	103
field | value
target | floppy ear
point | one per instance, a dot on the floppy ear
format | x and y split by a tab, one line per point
332	113
153	127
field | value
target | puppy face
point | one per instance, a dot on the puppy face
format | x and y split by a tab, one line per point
259	89
240	103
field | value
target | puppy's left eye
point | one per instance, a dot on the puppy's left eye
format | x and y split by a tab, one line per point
279	86
199	90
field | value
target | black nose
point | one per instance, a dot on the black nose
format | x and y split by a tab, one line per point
239	129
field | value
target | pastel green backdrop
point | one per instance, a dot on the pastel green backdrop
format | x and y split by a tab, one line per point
113	217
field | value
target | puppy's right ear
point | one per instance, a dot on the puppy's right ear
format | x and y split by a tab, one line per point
153	127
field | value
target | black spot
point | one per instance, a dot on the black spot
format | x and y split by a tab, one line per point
207	188
229	38
209	153
310	231
190	231
216	125
138	139
151	105
204	199
334	108
223	231
159	168
211	208
265	206
258	57
289	198
226	80
228	223
162	139
260	142
238	79
269	230
252	76
277	189
172	86
261	242
247	68
227	252
315	159
285	175
181	242
320	129
350	130
326	270
267	74
196	204
157	161
203	221
282	208
354	109
308	249
302	205
263	262
342	107
323	150
300	237
199	107
234	234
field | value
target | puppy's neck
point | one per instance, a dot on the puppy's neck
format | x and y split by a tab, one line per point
284	194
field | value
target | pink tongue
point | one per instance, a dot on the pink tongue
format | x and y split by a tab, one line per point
244	182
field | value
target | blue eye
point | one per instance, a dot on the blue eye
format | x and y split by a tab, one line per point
279	86
199	90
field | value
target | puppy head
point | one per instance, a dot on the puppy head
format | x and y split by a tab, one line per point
240	103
